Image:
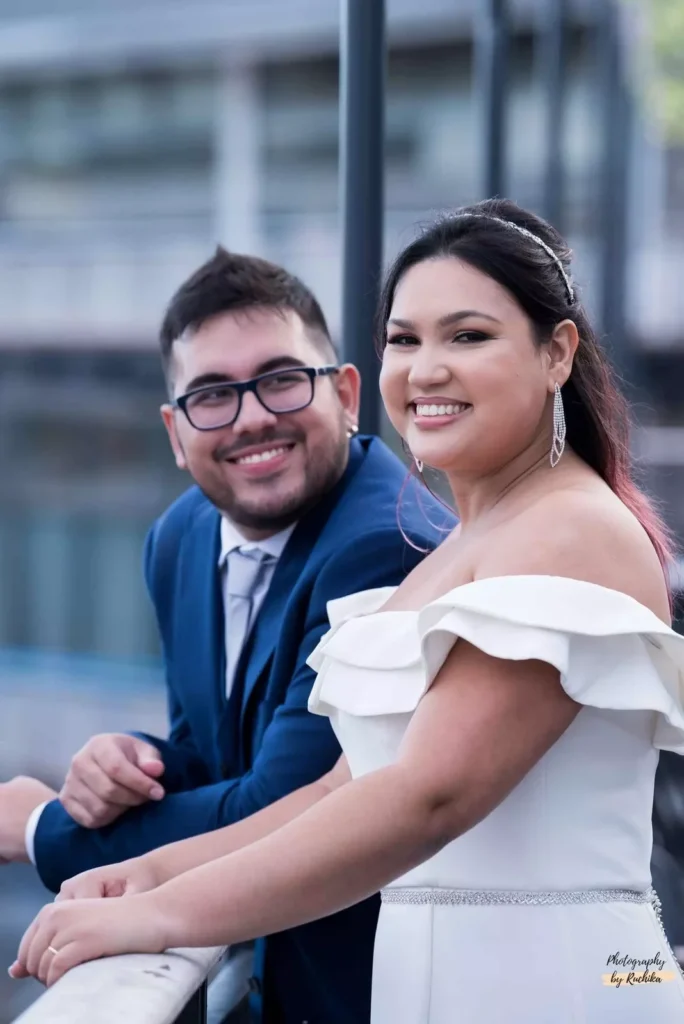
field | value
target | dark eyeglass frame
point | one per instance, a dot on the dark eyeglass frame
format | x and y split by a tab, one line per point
243	386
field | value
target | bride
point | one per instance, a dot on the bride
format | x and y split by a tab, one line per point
500	712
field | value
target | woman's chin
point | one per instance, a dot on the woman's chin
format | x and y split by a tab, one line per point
443	455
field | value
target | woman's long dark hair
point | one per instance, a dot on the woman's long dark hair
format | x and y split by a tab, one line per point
596	412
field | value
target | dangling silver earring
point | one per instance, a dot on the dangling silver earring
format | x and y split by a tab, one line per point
419	465
559	428
352	430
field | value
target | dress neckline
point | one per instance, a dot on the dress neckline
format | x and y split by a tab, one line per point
504	582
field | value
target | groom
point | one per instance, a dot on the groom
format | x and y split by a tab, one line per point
290	511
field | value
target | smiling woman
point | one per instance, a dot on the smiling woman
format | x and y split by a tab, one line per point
468	360
517	351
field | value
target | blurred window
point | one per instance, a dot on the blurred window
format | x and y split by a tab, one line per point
85	467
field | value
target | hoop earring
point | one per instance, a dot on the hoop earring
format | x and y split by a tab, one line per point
419	465
559	427
352	430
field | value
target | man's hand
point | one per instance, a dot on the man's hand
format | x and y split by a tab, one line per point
18	799
110	774
126	879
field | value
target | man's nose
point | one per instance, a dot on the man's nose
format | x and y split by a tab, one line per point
253	416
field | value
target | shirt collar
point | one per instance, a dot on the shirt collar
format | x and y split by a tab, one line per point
231	538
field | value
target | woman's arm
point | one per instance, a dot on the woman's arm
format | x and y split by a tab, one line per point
477	732
161	865
177	858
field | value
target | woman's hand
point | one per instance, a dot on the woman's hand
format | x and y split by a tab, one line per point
71	932
125	879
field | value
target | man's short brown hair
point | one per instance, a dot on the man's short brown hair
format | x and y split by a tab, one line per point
229	281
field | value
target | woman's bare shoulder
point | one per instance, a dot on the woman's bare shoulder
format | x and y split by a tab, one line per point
585	534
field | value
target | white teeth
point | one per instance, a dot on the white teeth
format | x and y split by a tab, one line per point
248	460
440	410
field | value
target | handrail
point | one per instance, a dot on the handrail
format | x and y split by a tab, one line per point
138	988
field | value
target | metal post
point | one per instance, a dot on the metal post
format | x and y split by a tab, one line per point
614	197
553	40
196	1010
491	67
362	91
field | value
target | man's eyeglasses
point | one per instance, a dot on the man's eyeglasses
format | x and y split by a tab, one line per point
218	405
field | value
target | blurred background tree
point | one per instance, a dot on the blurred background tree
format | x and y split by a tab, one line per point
666	28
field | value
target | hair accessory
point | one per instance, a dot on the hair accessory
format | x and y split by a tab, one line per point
534	238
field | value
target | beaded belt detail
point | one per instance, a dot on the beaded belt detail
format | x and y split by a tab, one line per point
495	897
499	897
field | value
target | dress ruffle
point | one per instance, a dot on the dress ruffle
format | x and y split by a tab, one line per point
611	651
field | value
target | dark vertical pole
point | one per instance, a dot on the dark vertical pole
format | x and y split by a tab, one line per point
196	1010
362	98
614	197
553	39
491	68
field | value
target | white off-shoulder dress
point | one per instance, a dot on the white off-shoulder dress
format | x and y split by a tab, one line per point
535	914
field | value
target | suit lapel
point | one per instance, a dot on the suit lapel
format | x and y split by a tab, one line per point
200	616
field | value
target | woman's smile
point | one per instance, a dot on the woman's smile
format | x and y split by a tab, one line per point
433	413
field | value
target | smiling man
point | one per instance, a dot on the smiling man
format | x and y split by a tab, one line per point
290	511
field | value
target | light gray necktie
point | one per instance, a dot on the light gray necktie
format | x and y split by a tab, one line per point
245	572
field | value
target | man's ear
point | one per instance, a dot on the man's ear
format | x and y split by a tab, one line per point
348	385
168	415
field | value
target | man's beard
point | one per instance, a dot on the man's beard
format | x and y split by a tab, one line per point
321	472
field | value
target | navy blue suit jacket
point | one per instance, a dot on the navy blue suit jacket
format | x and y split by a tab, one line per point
227	758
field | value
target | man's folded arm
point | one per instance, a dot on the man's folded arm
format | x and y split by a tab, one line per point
297	749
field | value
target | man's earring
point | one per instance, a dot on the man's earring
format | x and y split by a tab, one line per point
352	429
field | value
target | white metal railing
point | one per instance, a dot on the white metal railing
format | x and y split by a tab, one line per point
163	988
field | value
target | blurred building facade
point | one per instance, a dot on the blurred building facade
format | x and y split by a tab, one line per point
134	137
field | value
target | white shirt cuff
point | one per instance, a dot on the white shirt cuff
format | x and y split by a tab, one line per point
30	833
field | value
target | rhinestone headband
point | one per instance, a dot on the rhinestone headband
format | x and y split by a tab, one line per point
534	238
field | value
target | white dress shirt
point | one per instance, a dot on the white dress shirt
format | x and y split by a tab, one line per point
231	538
